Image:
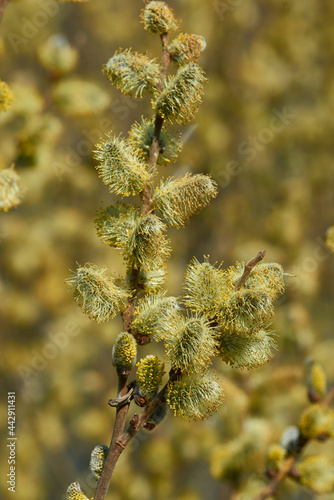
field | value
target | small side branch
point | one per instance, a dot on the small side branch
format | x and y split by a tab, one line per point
249	266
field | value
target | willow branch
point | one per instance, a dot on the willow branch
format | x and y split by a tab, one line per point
3	4
249	266
120	440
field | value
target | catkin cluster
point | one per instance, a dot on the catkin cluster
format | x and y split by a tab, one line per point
224	312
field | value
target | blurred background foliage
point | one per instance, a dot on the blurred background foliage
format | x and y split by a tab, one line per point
264	58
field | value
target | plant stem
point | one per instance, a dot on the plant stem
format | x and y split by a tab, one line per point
114	450
249	266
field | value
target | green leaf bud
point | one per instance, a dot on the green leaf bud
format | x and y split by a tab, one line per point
316	381
186	48
181	97
148	246
98	295
141	136
57	55
157	416
79	98
116	224
204	285
6	96
196	396
124	353
154	314
316	422
97	459
190	345
74	492
275	457
246	350
180	199
11	190
150	371
157	17
120	168
317	473
132	73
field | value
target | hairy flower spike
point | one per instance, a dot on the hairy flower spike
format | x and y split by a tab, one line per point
150	371
120	168
316	381
190	345
132	73
11	191
98	295
6	96
186	48
182	95
157	17
124	353
152	281
204	285
116	224
180	199
154	315
141	137
317	422
97	459
74	492
148	247
246	350
195	397
317	473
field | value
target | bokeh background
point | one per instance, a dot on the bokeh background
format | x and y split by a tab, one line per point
265	134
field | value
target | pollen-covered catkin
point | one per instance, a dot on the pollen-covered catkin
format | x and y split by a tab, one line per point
196	396
182	94
97	459
124	353
157	17
98	295
186	48
74	492
150	371
120	168
180	199
132	73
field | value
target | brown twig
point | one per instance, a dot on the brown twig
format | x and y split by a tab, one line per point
3	4
249	266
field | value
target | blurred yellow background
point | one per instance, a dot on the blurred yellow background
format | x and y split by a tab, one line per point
265	134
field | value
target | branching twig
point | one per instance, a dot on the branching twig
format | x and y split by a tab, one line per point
249	266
